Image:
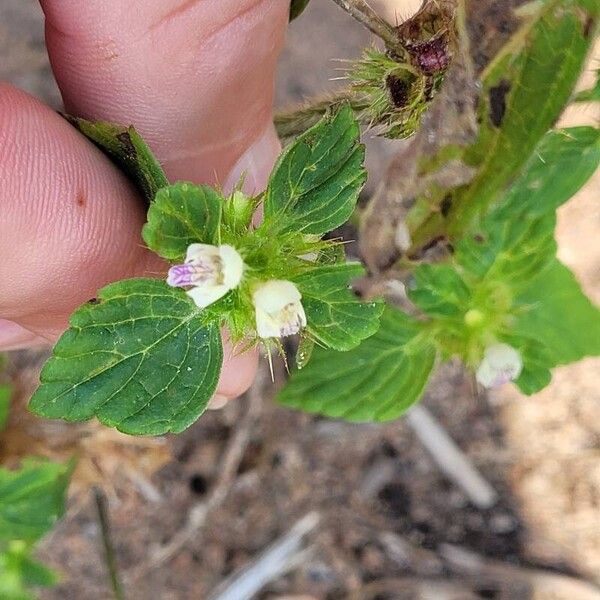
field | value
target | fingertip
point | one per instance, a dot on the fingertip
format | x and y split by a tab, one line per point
239	370
256	164
15	337
195	78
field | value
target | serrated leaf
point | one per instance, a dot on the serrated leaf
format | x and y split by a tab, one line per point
316	181
297	8
336	317
180	215
32	499
141	358
554	324
439	290
562	163
526	89
509	251
559	316
376	381
507	272
516	240
126	148
5	395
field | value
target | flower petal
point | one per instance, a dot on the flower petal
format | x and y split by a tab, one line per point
204	296
266	326
233	266
180	275
199	252
501	363
279	312
273	295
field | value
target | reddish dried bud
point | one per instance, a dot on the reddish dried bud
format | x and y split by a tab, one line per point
432	56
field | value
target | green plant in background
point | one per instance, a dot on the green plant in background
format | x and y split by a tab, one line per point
503	289
32	499
501	302
145	355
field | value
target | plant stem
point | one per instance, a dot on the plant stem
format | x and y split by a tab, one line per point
109	551
291	123
365	15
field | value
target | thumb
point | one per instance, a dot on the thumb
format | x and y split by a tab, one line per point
194	77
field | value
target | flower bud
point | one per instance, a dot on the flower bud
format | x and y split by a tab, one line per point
279	312
210	272
501	363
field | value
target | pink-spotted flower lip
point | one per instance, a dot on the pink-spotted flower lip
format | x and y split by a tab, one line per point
501	363
209	271
278	309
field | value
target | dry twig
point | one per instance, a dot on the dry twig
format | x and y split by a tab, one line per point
282	556
450	459
365	15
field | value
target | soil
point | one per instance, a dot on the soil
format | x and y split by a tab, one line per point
388	517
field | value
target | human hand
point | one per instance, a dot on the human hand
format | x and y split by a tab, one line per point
195	77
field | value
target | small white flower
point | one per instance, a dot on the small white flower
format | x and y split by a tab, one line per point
279	311
210	272
501	363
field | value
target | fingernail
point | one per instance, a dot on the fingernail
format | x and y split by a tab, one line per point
217	401
15	337
256	163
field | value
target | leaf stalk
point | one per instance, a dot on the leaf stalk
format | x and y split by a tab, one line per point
365	15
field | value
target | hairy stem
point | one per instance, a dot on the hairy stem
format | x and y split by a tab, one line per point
293	122
109	551
365	15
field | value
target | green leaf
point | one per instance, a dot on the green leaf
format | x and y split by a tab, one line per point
336	317
37	574
376	381
5	395
440	290
180	215
318	177
556	313
562	163
127	149
297	8
506	276
525	90
554	323
141	358
536	373
516	240
32	499
18	571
